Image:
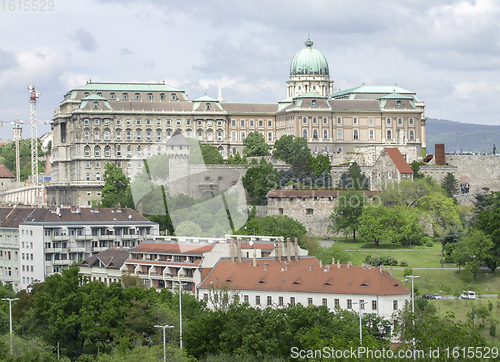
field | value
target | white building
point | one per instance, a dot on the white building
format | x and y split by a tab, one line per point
9	244
274	283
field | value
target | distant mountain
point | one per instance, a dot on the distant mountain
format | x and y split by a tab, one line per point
465	137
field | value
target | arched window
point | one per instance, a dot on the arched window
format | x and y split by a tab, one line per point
112	95
118	135
97	151
148	135
389	134
325	134
86	94
125	95
162	96
106	135
137	96
118	150
150	96
173	96
304	120
207	105
138	135
86	135
304	133
315	133
158	135
159	150
107	151
86	151
128	135
96	135
412	134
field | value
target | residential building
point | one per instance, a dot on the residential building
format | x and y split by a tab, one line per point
277	283
390	167
105	266
9	244
125	123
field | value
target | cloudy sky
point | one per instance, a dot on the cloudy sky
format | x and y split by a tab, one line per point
448	52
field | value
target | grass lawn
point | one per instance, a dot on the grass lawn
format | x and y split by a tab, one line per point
417	257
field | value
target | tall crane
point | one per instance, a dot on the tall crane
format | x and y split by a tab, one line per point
34	139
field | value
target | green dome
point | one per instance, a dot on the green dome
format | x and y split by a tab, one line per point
309	61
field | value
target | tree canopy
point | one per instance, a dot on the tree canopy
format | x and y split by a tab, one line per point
116	187
259	180
294	151
347	212
255	145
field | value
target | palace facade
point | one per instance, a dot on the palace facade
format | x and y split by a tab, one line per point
126	123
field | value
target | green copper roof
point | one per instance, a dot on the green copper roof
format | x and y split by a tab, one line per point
206	98
309	61
395	96
94	97
160	87
373	89
310	95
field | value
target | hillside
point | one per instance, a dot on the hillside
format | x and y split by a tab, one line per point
465	137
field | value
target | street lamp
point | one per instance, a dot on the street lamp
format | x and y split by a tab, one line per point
164	351
413	301
10	313
360	329
180	308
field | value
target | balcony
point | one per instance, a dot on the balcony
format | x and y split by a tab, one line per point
60	237
106	237
53	250
98	249
84	237
76	250
130	237
62	262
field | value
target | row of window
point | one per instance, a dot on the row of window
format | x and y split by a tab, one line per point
355	134
243	135
150	96
28	256
138	122
28	268
138	135
251	123
30	232
355	120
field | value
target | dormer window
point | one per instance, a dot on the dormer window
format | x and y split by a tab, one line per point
125	95
398	104
162	96
112	95
86	94
96	105
99	94
313	102
137	96
207	106
150	96
173	96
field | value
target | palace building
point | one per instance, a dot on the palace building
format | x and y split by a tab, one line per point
126	123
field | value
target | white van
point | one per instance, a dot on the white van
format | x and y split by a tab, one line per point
468	295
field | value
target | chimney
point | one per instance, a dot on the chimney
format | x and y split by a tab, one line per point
265	266
118	207
239	249
96	208
390	271
320	263
349	263
333	261
139	209
289	249
279	249
286	266
231	249
338	264
310	267
381	268
328	267
73	208
254	258
53	208
296	247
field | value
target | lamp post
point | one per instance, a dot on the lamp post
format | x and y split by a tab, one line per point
10	314
164	351
413	301
180	309
360	329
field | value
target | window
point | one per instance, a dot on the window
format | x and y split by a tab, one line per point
304	133
355	120
251	123
242	123
315	134
96	135
261	123
96	122
389	174
245	298
86	151
243	135
339	120
188	122
106	135
118	135
219	136
159	150
86	121
324	302
395	304
138	135
118	122
138	122
168	122
129	164
233	136
269	123
137	96
388	120
325	134
398	104
361	304
309	301
86	135
125	95
412	135
389	134
313	102
371	134
162	96
371	120
233	123
97	151
269	136
374	305
292	300
325	120
400	120
139	151
411	121
340	134
355	134
379	175
349	304
107	151
139	164
118	150
173	96
304	120
257	300
269	300
112	95
210	137
326	149
150	96
315	120
98	177
96	105
207	106
280	301
148	135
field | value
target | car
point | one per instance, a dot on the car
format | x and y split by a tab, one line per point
426	296
468	295
436	296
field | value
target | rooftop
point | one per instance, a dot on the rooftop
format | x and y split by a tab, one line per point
109	258
399	160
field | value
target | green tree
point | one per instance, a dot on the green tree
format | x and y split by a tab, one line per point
211	155
276	225
347	213
115	187
320	164
415	166
353	178
294	151
444	213
188	228
488	220
372	224
259	180
255	145
450	184
472	251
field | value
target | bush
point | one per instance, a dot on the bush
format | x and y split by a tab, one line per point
427	241
408	271
403	263
383	260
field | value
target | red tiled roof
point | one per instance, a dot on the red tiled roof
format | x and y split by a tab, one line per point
304	275
313	193
176	248
162	262
399	160
5	172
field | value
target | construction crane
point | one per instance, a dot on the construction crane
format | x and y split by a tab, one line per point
34	139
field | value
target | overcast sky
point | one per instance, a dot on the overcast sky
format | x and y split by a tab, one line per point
448	54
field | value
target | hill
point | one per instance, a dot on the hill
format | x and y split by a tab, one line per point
465	137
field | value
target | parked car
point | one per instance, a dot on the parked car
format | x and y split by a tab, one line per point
426	296
436	296
468	295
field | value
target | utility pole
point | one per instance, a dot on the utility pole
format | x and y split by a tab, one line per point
180	308
10	313
164	350
360	329
413	303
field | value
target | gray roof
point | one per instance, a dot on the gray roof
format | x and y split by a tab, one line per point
111	258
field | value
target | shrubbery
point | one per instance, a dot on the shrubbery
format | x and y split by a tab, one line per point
383	260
